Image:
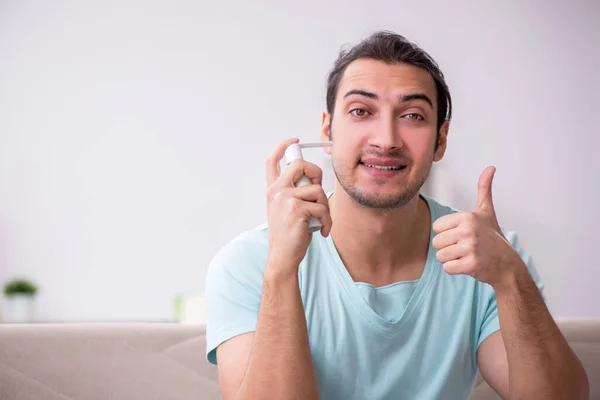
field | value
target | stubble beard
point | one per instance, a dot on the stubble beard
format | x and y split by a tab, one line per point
382	202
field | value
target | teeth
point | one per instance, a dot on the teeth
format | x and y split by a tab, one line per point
382	168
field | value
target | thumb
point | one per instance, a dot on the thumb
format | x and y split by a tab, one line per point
484	191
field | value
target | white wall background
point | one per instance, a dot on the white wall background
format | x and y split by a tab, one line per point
133	133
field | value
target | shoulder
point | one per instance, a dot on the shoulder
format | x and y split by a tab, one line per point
515	241
252	242
244	257
233	288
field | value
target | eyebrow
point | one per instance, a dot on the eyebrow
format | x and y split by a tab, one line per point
403	99
362	93
417	96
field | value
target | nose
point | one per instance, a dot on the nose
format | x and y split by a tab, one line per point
385	135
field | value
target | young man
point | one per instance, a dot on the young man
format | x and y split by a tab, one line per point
398	296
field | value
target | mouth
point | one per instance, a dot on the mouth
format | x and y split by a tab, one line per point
384	167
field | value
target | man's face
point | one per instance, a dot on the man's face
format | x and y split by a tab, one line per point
384	132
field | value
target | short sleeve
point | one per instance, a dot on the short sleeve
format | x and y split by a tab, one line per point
489	322
233	289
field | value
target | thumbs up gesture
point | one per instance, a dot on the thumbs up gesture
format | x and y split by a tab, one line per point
472	243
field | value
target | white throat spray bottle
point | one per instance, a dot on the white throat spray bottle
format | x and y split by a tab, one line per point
293	153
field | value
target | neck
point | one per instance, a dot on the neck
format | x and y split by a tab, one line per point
378	245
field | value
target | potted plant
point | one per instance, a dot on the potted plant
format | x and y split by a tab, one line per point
19	297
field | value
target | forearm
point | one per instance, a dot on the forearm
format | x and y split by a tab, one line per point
541	362
280	365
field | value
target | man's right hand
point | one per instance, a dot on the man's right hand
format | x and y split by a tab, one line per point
289	208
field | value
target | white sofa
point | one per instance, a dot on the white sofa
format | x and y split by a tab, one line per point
156	361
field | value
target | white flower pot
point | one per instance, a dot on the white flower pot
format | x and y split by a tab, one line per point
18	309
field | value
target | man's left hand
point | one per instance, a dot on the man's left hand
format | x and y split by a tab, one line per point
472	243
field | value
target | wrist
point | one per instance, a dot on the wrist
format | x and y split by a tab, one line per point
511	279
280	270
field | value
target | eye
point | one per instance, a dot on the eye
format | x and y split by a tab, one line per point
414	117
359	112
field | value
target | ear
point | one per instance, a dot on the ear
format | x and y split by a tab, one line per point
326	130
442	141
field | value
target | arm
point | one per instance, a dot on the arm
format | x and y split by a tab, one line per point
275	361
531	358
493	363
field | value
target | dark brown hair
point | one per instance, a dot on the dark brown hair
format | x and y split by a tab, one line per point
391	48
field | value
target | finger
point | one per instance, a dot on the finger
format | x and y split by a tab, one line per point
312	194
484	190
454	252
447	222
326	220
274	159
455	267
316	194
446	238
321	212
299	168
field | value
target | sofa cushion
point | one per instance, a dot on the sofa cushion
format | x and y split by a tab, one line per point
105	361
159	361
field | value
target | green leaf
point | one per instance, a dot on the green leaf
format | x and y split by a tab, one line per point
20	286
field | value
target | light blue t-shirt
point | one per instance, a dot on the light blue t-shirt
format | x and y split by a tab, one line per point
408	340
